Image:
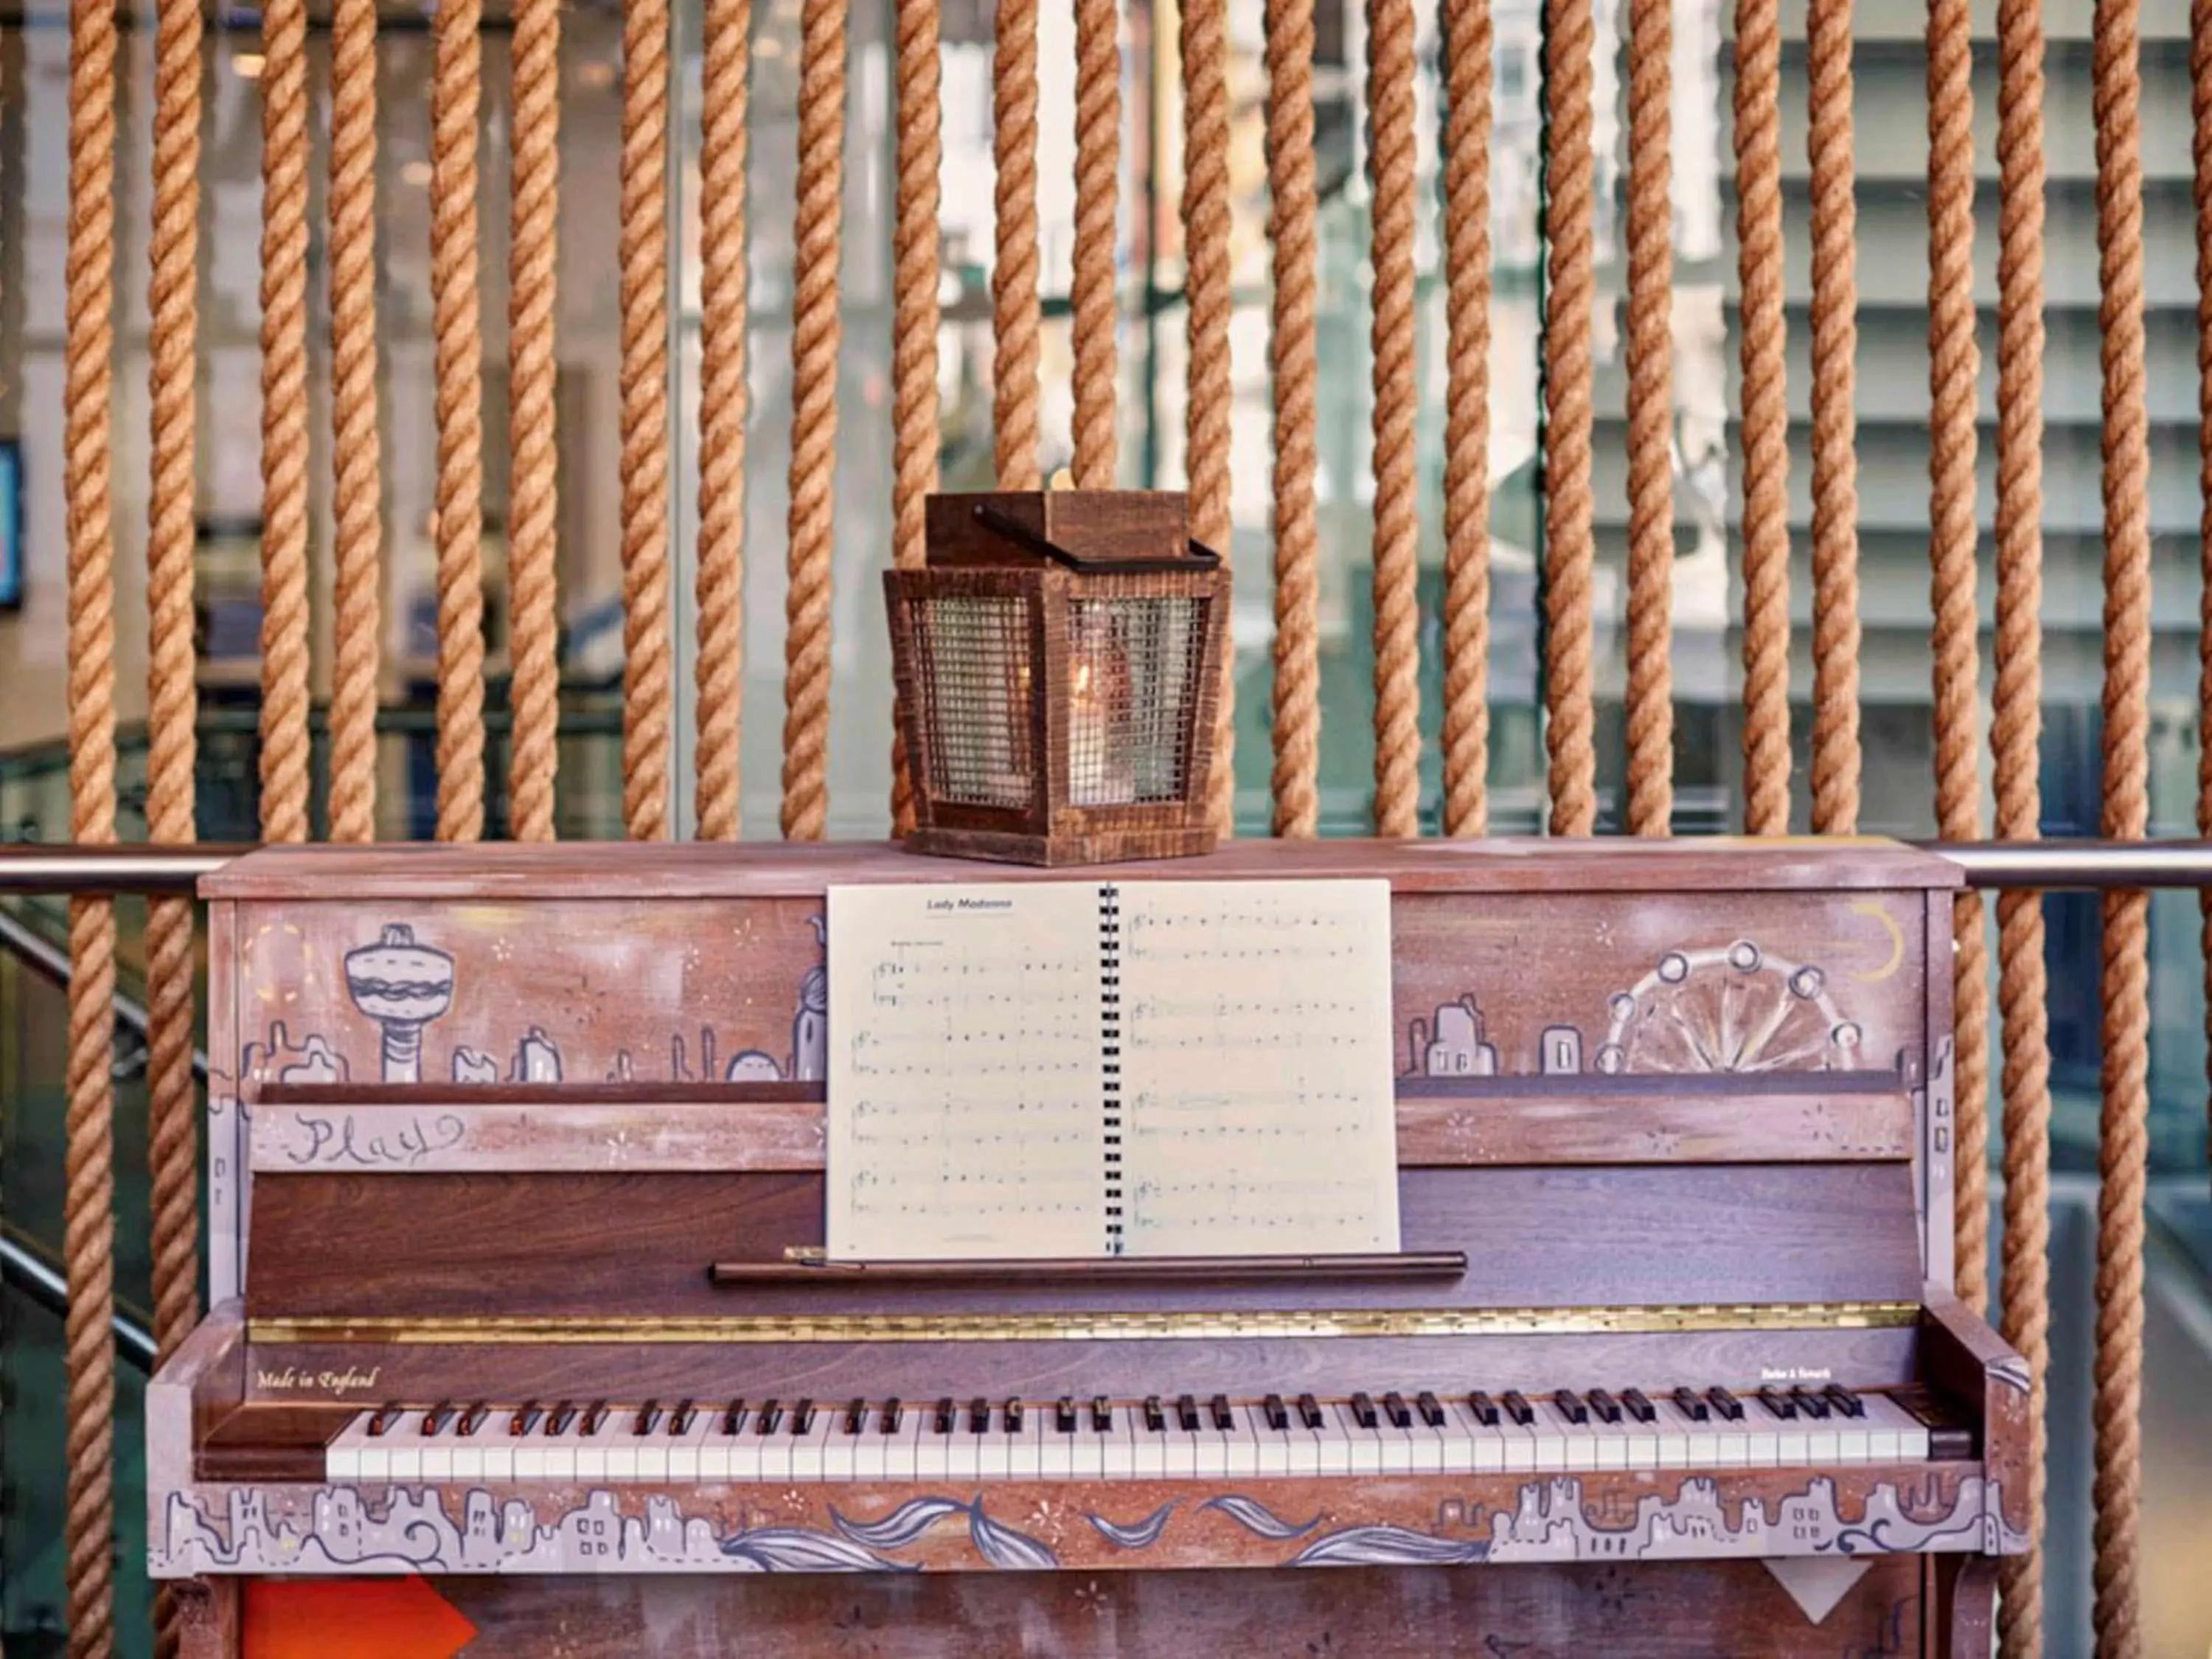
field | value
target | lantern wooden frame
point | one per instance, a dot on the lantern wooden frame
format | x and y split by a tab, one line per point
1021	572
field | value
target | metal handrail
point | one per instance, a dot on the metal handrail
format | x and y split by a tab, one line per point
50	963
27	1266
2068	865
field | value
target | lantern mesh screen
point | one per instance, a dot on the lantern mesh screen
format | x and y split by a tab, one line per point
1133	666
972	655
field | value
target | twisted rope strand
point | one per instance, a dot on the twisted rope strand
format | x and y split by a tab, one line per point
457	351
1097	195
2015	735
2125	1146
1014	353
2200	98
1954	366
1390	54
1467	417
719	677
1765	418
1650	335
534	207
1210	305
89	1218
814	338
1569	550
647	689
284	742
1294	203
915	269
1835	459
356	443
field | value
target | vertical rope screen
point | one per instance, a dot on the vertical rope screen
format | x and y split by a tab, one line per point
647	689
1390	64
533	460
2124	1138
726	48
284	742
1467	417
814	336
1954	364
88	1198
1570	551
357	506
914	320
1650	713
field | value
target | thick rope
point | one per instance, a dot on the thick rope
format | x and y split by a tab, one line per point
89	1208
1569	550
647	688
357	496
1835	424
1014	359
2015	735
1097	196
1765	418
171	701
1207	384
1390	54
457	351
2125	1146
1294	203
285	749
915	271
533	755
1467	417
1954	363
2200	83
814	336
719	673
1650	345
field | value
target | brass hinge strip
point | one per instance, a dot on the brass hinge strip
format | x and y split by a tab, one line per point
1099	1327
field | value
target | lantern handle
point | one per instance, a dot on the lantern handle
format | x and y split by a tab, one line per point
1201	556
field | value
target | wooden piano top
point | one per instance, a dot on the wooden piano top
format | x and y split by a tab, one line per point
794	869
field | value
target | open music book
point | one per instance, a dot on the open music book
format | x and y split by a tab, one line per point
1041	1069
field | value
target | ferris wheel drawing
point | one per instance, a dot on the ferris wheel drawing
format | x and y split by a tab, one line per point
1730	1008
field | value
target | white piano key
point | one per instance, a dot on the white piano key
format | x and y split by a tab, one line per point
995	1456
1243	1447
686	1460
1363	1447
903	1449
1677	1434
1272	1445
1121	1451
1055	1449
1550	1433
1316	1450
341	1457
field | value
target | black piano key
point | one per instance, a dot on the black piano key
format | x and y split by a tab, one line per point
1279	1414
1012	1414
1725	1403
1813	1405
387	1417
1309	1411
889	1422
1843	1400
770	1417
1947	1437
946	1411
1102	1414
680	1420
1687	1401
1603	1406
1063	1414
1218	1409
1156	1420
1484	1407
648	1417
472	1419
434	1419
733	1418
595	1417
802	1418
979	1415
1637	1407
525	1421
856	1413
1570	1405
1431	1408
1186	1412
1778	1404
1518	1408
557	1420
1362	1410
1395	1408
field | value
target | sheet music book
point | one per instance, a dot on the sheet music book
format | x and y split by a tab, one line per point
1039	1069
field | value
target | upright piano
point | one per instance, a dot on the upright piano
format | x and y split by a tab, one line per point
520	1342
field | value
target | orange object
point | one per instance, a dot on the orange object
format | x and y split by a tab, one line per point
351	1619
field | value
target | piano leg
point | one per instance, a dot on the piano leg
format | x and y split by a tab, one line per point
1962	1597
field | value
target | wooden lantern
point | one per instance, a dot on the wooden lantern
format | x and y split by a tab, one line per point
1058	663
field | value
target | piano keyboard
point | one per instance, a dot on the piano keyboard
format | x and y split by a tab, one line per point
1155	1439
